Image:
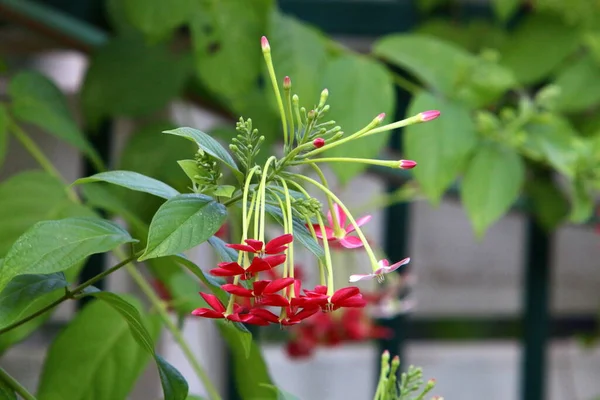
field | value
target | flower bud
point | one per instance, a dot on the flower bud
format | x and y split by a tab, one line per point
319	142
407	164
264	43
430	384
380	117
385	356
429	115
311	114
324	95
287	82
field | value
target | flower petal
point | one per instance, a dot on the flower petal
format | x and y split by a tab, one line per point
278	284
340	215
328	232
257	245
274	300
351	242
213	301
265	314
259	287
354	301
393	267
274	246
360	222
344	293
237	290
275	260
241	247
207	313
361	277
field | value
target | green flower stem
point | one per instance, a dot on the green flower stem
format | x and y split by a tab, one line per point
376	121
262	204
290	229
330	285
70	294
288	103
383	163
415	119
271	69
39	156
374	262
161	308
286	228
245	203
336	224
15	385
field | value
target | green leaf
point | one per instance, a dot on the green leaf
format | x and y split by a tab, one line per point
25	294
548	203
282	394
249	369
36	100
226	39
223	191
190	167
212	283
446	67
298	52
174	385
209	145
7	392
226	254
491	185
350	80
301	232
157	18
183	222
54	246
134	181
3	133
537	47
444	145
504	9
582	201
116	83
99	355
579	85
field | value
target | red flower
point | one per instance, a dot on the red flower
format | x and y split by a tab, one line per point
217	311
275	246
345	297
257	265
265	292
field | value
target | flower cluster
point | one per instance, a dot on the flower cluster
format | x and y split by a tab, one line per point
262	285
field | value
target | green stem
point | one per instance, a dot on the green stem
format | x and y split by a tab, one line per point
336	224
70	294
39	156
161	308
290	229
415	119
15	385
273	77
262	188
330	285
383	163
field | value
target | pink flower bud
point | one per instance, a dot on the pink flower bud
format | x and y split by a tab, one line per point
380	117
287	82
319	142
429	115
264	43
407	164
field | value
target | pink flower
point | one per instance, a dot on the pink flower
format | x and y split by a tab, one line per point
341	236
429	115
384	268
407	164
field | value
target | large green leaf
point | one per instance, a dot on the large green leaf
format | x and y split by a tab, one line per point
538	46
207	144
249	369
360	89
441	147
21	204
174	385
446	67
97	353
54	246
26	294
298	52
491	185
183	222
579	85
35	99
504	9
3	133
117	81
134	181
158	18
226	39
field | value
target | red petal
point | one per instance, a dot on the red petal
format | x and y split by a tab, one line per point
257	245
224	272
274	300
237	290
231	266
305	313
274	246
207	313
344	293
257	265
241	247
278	284
355	301
259	287
213	301
265	314
275	260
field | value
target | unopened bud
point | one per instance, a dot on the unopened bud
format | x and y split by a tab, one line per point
429	115
407	164
380	117
324	95
319	142
395	361
295	99
287	82
430	384
311	114
385	356
264	43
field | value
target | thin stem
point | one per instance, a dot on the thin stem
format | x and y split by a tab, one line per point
39	156
161	308
383	163
69	294
415	119
285	230
273	77
290	229
15	385
336	224
330	285
262	188
288	103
